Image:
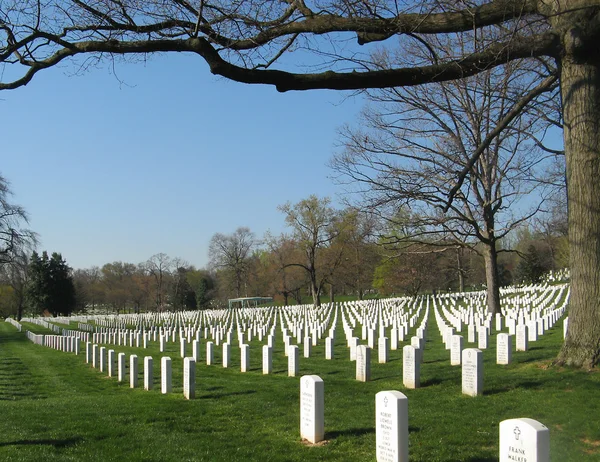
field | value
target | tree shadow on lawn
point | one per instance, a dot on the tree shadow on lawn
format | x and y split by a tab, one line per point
395	376
507	388
223	395
483	459
433	361
56	443
218	387
350	432
431	382
360	432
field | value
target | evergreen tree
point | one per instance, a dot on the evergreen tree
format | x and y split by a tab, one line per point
50	286
530	268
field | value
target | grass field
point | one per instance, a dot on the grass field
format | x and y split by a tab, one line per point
53	406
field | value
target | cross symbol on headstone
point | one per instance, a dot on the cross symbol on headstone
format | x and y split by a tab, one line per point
385	401
517	433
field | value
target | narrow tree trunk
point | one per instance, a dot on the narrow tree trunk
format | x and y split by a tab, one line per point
331	294
20	309
314	290
316	296
459	268
581	111
490	257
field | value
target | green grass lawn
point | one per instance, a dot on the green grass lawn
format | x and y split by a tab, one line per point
54	406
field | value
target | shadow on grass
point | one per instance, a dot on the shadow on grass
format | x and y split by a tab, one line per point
395	376
223	395
350	432
431	382
519	385
435	361
218	387
483	459
56	443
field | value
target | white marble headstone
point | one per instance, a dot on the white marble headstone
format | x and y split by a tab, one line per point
411	368
524	440
363	363
456	347
312	408
503	349
293	356
391	426
121	367
522	337
148	373
189	378
133	371
472	372
329	348
166	375
267	359
245	358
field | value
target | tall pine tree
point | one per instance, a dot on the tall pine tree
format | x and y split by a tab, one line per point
50	287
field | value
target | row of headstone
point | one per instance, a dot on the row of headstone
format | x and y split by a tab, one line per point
521	440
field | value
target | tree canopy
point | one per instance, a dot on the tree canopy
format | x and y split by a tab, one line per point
50	287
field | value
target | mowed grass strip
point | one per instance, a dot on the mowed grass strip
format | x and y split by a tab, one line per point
56	407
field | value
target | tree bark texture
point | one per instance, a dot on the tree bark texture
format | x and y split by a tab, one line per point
580	88
491	277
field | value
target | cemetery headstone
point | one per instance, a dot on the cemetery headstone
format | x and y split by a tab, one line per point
411	368
456	347
121	367
293	356
472	372
524	440
148	372
267	359
522	337
245	358
133	371
363	363
503	349
391	426
189	378
166	375
312	408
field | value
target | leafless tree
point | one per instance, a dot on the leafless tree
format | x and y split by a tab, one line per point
159	267
290	280
14	239
359	231
231	253
411	143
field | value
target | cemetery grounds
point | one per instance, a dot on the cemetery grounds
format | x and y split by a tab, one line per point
56	407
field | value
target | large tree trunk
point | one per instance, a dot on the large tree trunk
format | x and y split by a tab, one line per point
580	83
490	257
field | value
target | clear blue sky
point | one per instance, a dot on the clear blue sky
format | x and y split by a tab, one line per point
110	171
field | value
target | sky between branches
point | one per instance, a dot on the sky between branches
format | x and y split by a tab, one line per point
123	163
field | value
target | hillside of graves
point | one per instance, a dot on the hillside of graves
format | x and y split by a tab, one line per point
114	387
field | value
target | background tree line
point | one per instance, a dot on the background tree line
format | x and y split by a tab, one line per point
327	253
